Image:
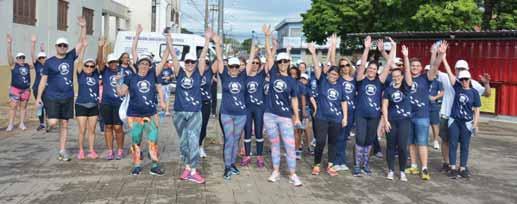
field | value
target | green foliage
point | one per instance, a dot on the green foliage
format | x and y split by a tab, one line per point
246	44
448	16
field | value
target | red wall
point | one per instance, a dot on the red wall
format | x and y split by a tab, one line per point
495	57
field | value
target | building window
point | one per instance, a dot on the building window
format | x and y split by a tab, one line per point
24	12
88	16
296	32
62	15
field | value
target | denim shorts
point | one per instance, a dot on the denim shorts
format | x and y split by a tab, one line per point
434	117
420	131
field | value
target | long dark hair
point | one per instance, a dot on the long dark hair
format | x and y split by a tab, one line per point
120	58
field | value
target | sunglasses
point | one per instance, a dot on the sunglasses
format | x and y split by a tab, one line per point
40	58
344	65
283	61
464	79
89	66
22	57
255	62
234	66
190	62
62	45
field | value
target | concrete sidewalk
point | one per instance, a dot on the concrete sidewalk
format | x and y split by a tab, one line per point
30	173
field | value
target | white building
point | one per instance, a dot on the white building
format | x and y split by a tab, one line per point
153	15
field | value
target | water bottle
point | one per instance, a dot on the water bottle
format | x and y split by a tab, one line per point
121	80
39	109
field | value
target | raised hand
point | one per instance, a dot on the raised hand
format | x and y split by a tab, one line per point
82	21
368	42
102	42
380	45
209	33
139	29
393	43
311	48
485	78
33	39
9	38
405	51
266	29
443	47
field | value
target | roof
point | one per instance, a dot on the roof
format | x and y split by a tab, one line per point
287	21
505	34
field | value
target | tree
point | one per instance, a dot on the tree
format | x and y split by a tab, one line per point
499	14
448	16
184	30
246	44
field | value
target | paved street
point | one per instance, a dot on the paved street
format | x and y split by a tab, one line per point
30	173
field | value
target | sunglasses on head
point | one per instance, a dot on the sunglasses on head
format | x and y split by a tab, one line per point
21	57
284	61
234	66
190	62
464	79
62	45
344	65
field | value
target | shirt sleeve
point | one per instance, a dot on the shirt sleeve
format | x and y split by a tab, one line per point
45	69
439	86
72	54
294	91
477	100
479	88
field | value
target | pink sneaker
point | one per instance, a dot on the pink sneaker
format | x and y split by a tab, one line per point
245	161
185	174
92	155
109	155
120	154
260	162
196	178
80	155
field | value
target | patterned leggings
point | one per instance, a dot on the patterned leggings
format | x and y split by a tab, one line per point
232	126
276	127
188	125
139	126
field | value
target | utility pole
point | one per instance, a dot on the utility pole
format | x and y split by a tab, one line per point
206	15
213	10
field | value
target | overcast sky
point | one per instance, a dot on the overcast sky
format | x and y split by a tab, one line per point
243	16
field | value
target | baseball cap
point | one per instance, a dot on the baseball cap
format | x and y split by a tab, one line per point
144	57
190	56
262	60
427	67
20	54
464	74
282	56
89	60
358	63
234	61
62	41
304	76
112	57
42	54
462	64
397	60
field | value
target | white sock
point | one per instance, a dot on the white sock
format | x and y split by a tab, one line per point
414	165
192	171
424	168
453	167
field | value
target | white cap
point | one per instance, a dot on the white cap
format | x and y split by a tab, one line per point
62	41
464	74
20	54
144	57
397	60
234	61
358	63
262	60
42	54
462	64
282	56
300	62
427	67
112	57
89	60
304	76
207	58
190	56
387	46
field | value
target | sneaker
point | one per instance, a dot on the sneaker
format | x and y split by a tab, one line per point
227	173
22	126
156	171
313	143
136	171
436	145
465	173
298	155
120	154
453	174
9	128
63	156
295	180
403	176
92	155
196	178
202	153
316	170
109	155
344	167
425	175
445	168
245	161
234	169
412	170
366	170
357	172
40	127
80	155
185	174
260	162
274	177
379	155
390	175
331	171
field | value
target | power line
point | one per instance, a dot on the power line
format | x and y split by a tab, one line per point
197	8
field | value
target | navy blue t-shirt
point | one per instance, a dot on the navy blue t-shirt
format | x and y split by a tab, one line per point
434	88
109	87
126	70
464	101
350	92
281	90
21	76
60	83
38	67
399	103
88	88
420	96
369	93
255	90
188	92
329	100
302	93
166	72
142	95
234	89
206	85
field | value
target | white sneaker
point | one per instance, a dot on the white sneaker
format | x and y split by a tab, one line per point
403	176
22	126
274	177
344	167
295	180
9	128
436	145
390	175
202	153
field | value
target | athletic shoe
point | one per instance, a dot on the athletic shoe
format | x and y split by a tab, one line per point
92	155
22	126
109	155
412	170
316	170
227	173
366	170
295	180
274	177
260	162
445	168
453	174
331	171
313	143
156	171
379	155
436	145
136	171
120	154
185	174
357	172
196	178
245	161
403	176
9	128
234	169
425	175
40	127
80	155
63	156
465	173
202	153
298	154
341	167
391	175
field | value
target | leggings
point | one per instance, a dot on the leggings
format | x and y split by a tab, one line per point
459	132
232	126
187	126
280	127
341	141
326	128
397	140
139	126
366	131
214	97
205	110
255	118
